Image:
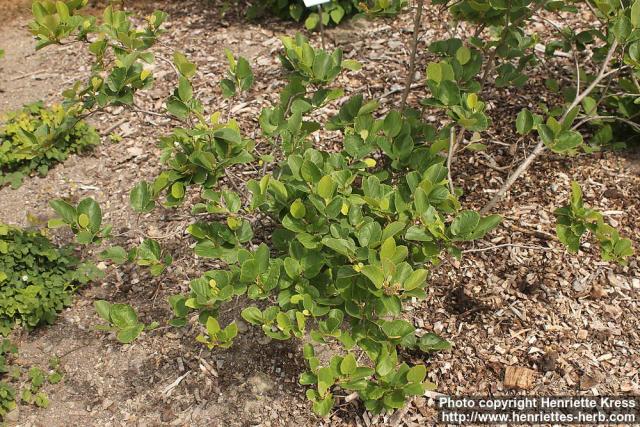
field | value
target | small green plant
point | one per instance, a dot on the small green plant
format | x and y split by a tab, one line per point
37	278
36	138
118	45
55	374
312	65
7	392
32	394
354	229
148	254
575	219
216	336
85	220
240	76
122	319
352	238
37	378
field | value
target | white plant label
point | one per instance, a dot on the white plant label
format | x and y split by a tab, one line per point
310	3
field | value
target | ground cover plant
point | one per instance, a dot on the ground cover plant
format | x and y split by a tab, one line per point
36	138
329	244
37	278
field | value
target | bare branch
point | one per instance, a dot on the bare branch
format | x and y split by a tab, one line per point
539	148
414	50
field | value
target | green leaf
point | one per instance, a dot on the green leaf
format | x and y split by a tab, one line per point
339	245
252	315
228	88
123	315
348	365
249	271
432	342
635	14
83	220
351	65
397	329
417	374
185	91
312	21
323	407
186	68
140	197
384	364
117	254
103	308
465	223
130	333
65	210
374	274
91	209
463	55
524	122
434	72
325	380
326	187
415	280
177	190
297	209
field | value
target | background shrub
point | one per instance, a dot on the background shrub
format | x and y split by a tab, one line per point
332	13
36	137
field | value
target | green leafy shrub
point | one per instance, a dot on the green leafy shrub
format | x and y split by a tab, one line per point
122	319
575	219
36	138
353	230
353	237
147	254
333	13
115	36
37	278
239	77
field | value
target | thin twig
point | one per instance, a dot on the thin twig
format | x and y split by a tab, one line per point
231	180
412	59
634	125
113	127
506	245
503	34
401	89
321	26
539	148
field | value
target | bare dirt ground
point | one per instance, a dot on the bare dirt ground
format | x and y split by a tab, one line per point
572	319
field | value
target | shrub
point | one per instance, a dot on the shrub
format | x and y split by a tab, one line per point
353	236
36	138
333	13
352	230
37	278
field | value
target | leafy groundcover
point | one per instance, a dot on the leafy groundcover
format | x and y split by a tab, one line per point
36	137
37	278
